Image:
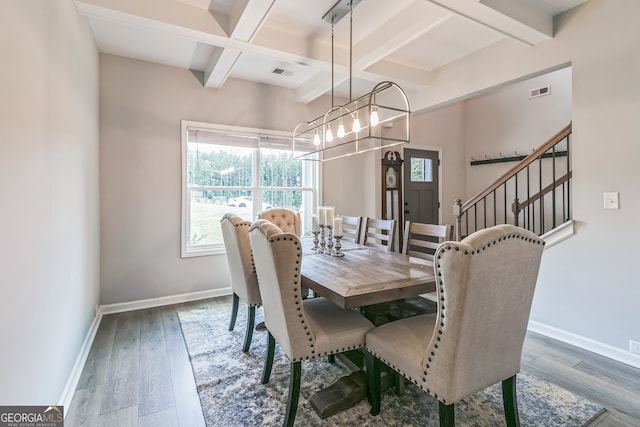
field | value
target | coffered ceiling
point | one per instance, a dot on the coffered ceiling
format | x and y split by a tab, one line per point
286	43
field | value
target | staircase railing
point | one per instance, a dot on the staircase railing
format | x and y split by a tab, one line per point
542	179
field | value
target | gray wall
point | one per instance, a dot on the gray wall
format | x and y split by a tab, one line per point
141	105
506	120
49	223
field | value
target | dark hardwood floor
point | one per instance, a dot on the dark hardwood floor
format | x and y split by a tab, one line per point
138	374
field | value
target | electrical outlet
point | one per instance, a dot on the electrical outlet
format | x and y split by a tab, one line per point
634	347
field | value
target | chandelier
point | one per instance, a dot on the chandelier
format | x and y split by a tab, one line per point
357	126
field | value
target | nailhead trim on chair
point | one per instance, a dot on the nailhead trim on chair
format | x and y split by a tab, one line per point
441	308
253	266
299	309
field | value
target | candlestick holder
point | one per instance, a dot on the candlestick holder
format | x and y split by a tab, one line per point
337	252
323	242
315	240
329	249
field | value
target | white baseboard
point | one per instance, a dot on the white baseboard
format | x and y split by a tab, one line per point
593	346
158	302
74	378
558	234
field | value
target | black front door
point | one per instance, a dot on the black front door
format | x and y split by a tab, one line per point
421	198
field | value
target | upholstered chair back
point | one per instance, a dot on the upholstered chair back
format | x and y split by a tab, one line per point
485	286
278	259
286	219
244	281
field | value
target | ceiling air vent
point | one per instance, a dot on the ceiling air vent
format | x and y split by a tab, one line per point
282	72
541	91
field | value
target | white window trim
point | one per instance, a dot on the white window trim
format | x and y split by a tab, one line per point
187	251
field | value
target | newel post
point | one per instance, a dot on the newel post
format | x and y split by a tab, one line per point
457	214
515	208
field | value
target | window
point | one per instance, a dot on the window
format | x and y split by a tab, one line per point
421	170
240	170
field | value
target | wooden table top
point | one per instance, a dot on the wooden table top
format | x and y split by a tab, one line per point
365	276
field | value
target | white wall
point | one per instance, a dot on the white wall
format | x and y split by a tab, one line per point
588	286
141	105
49	223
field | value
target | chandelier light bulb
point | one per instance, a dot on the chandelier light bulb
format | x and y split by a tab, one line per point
340	129
374	116
356	123
329	135
316	139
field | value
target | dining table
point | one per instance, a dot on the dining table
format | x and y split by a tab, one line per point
365	275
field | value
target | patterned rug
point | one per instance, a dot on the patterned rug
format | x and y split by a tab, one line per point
228	382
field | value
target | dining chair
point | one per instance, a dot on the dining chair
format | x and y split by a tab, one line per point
286	219
421	240
378	233
304	329
485	286
244	281
351	228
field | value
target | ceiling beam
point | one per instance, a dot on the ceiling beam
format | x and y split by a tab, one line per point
505	16
165	15
409	24
247	19
400	29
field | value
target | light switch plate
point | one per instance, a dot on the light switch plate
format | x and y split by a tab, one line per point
611	200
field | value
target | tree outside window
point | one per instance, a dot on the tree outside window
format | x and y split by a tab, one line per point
232	170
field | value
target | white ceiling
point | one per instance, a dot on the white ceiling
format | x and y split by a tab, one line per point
403	41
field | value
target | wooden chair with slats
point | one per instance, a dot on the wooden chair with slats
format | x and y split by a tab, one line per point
351	227
421	240
378	233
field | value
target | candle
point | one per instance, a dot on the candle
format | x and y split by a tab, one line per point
314	223
322	212
337	226
329	212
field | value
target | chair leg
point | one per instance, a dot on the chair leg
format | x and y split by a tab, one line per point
510	402
373	380
268	361
294	393
234	312
251	317
399	380
447	415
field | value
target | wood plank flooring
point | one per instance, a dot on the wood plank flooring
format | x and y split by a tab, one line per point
138	374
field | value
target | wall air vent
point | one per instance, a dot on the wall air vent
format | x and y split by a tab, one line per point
541	91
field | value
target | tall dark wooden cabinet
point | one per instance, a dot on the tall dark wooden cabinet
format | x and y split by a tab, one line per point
392	191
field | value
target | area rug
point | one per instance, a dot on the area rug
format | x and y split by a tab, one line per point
228	382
